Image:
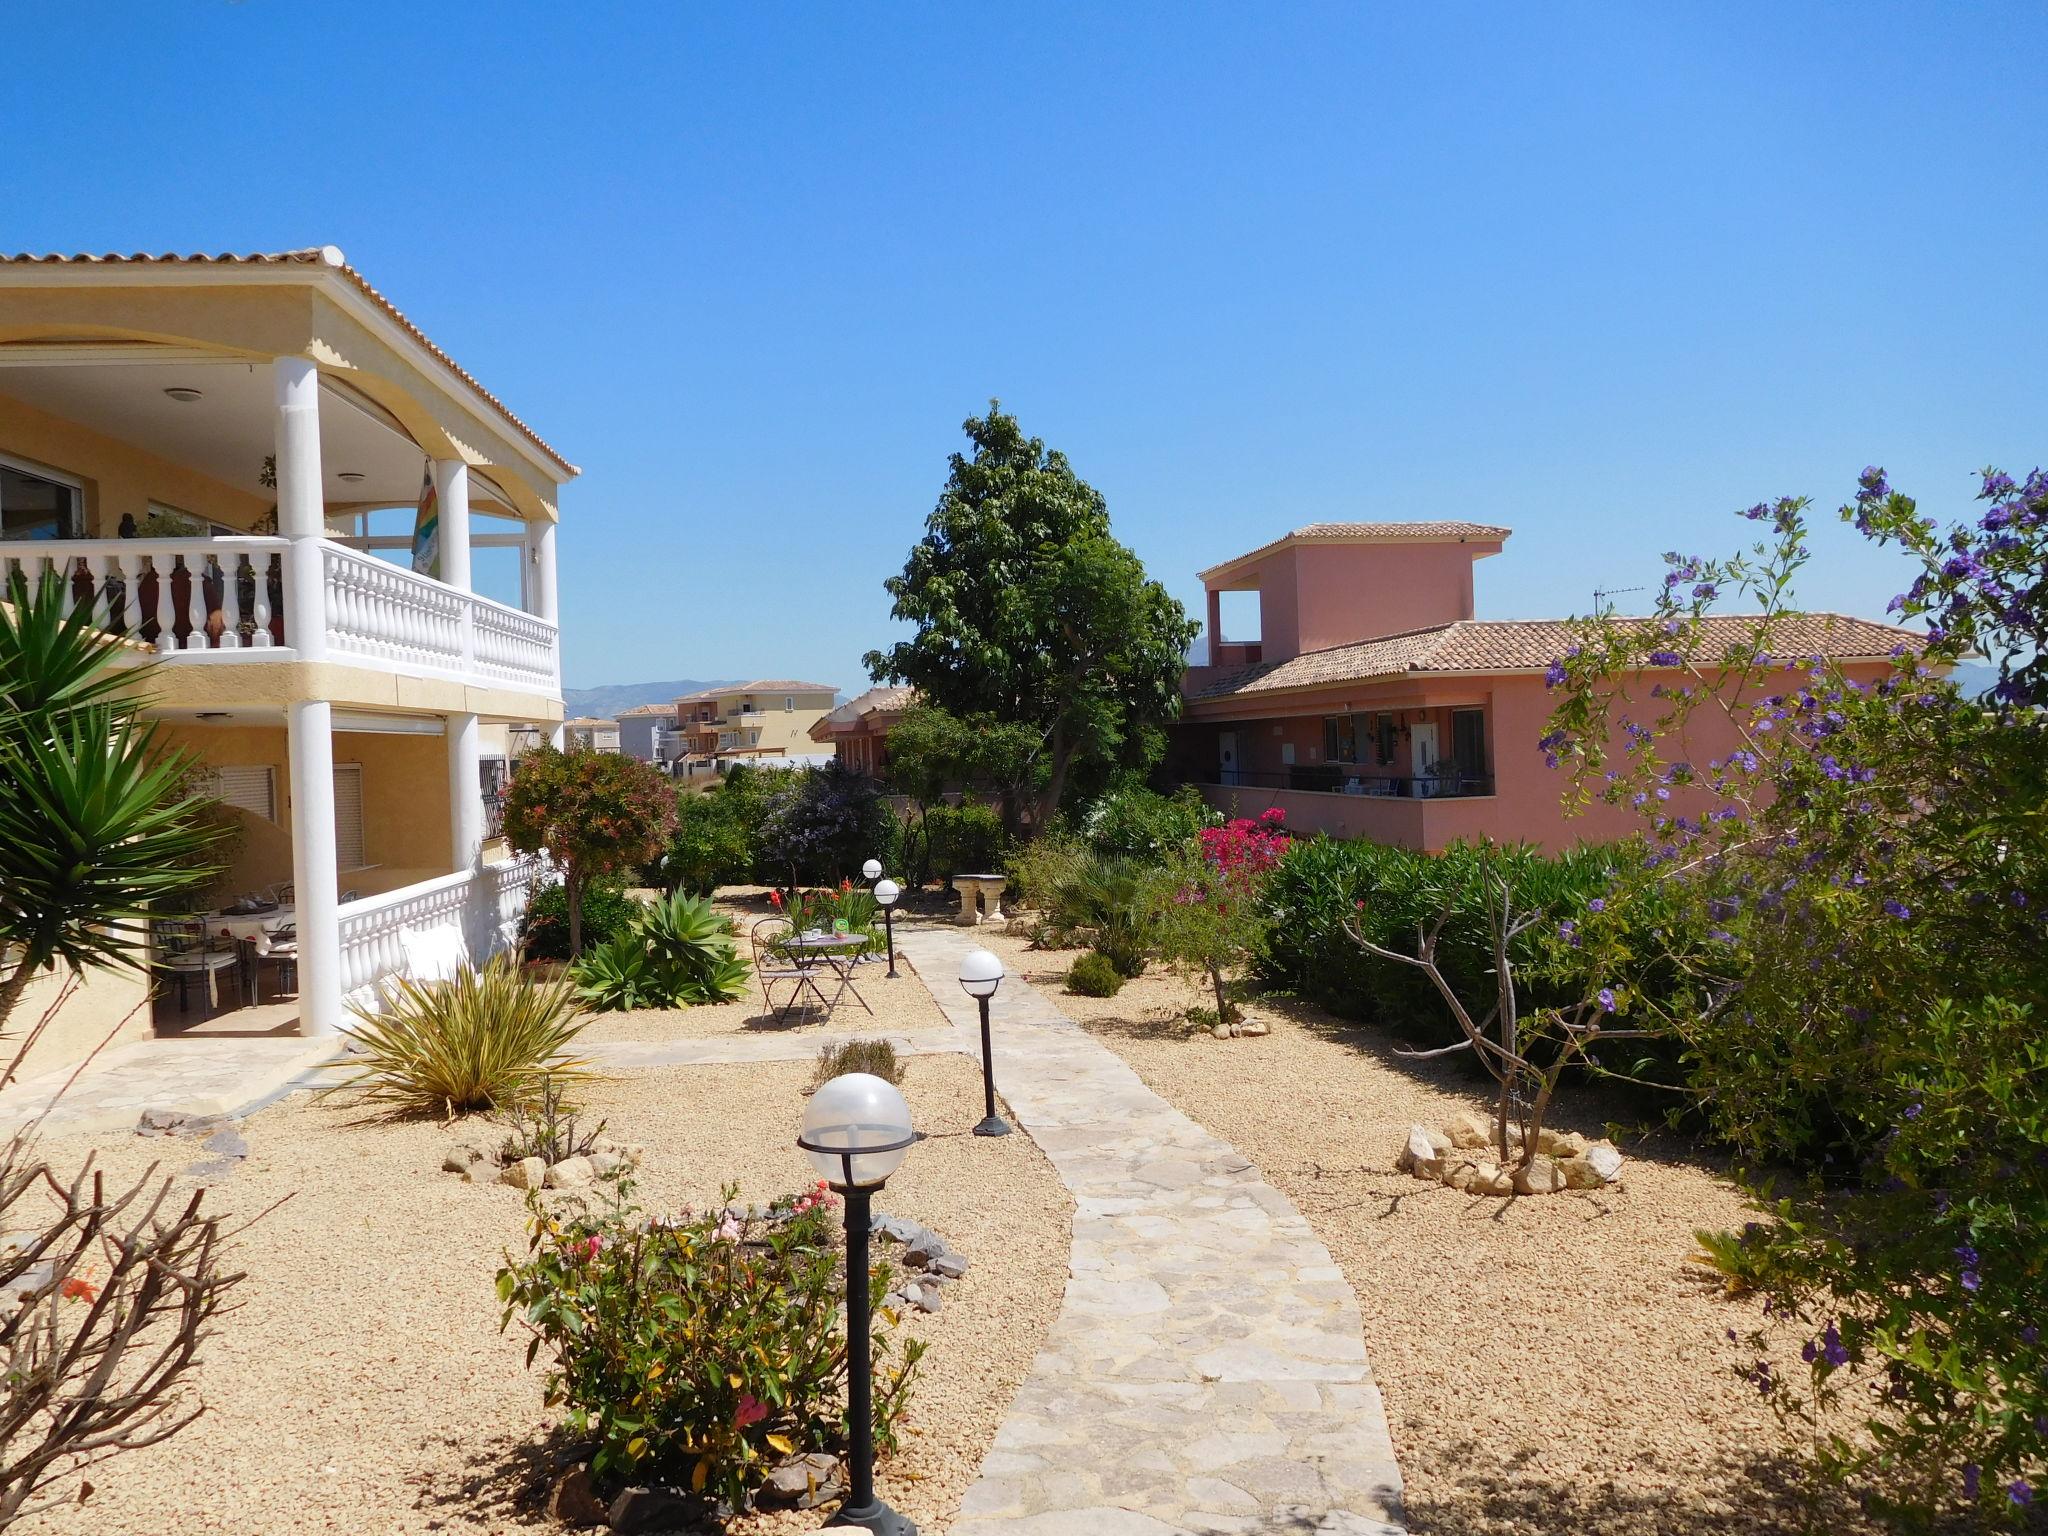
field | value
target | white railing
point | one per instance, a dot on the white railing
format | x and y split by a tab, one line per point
205	597
179	595
481	908
381	610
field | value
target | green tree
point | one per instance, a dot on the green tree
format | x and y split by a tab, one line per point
97	826
932	750
1029	614
593	813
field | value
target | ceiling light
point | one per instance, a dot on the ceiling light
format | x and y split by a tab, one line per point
350	475
184	394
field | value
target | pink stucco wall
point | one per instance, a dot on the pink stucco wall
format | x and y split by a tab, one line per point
1526	803
1315	596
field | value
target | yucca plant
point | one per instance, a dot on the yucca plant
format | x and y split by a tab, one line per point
97	825
487	1040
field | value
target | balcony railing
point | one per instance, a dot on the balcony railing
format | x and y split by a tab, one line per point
482	908
211	599
1339	779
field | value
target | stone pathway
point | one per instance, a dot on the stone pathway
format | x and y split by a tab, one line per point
197	1075
1207	1371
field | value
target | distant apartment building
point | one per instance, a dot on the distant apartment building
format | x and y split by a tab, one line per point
767	718
858	730
648	732
592	732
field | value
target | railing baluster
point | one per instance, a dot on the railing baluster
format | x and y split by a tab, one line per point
195	600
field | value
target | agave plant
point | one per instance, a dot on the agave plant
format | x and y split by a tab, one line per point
487	1040
677	951
97	826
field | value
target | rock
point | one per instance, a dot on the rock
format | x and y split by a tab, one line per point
1540	1177
928	1298
803	1482
644	1508
603	1163
1580	1174
1220	1031
949	1264
1491	1179
923	1249
1255	1027
570	1173
574	1500
461	1157
527	1173
1603	1158
1560	1143
1468	1130
1459	1172
1421	1156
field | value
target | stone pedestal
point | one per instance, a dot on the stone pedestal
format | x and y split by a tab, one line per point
981	898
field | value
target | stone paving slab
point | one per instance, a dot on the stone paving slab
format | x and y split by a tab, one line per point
1206	1374
198	1075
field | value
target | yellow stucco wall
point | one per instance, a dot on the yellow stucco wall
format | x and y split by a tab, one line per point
109	1005
406	831
119	478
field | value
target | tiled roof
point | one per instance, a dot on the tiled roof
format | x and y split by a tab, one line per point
648	709
1370	533
314	256
887	699
591	723
1528	645
759	685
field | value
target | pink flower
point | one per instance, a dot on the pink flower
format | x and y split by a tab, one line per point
751	1411
728	1230
590	1247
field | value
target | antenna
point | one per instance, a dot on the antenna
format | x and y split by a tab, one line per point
1600	593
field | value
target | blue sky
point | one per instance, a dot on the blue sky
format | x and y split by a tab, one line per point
1601	274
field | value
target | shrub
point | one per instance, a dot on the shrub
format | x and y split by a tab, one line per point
1133	822
677	951
713	843
699	1350
1095	975
1042	872
964	839
874	1056
1108	902
547	1128
593	813
544	930
824	823
488	1039
1207	918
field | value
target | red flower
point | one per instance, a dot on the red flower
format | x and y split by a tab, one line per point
75	1289
776	897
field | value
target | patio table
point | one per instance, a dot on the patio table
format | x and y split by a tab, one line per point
838	951
252	927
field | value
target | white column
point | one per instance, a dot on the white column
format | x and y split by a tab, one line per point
451	494
465	793
544	571
316	875
301	505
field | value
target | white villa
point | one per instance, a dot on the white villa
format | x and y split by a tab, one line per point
198	444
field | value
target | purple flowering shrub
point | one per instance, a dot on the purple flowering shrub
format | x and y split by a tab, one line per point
1871	866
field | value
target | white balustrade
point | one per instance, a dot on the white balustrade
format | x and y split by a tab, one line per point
195	594
207	596
483	906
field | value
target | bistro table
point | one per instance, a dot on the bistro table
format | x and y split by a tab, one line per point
838	951
251	932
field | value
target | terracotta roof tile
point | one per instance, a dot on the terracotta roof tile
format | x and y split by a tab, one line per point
314	256
1527	645
1417	532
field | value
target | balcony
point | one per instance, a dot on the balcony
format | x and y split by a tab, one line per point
1426	814
228	600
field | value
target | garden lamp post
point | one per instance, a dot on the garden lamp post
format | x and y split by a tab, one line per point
855	1131
980	974
871	871
886	892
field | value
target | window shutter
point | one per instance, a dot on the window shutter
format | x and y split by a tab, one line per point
348	816
250	787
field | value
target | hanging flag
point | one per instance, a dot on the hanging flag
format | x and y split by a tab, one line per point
426	529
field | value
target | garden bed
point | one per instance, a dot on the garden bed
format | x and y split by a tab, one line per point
1548	1365
363	1386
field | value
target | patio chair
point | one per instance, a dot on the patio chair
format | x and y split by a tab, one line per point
774	964
281	948
186	950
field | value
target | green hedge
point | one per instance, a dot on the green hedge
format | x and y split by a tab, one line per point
1320	884
965	839
544	931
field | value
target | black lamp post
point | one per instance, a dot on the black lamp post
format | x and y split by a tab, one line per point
981	972
855	1131
886	893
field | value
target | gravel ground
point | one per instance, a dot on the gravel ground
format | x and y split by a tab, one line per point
1550	1365
363	1385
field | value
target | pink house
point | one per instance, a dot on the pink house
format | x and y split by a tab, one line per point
1372	703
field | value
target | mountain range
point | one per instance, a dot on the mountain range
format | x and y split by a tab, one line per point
605	703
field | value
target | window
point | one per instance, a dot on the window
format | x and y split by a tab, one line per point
38	506
1340	738
250	787
348	816
1468	742
1383	738
788	703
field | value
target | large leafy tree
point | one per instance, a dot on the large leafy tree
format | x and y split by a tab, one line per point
98	826
593	813
1029	613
